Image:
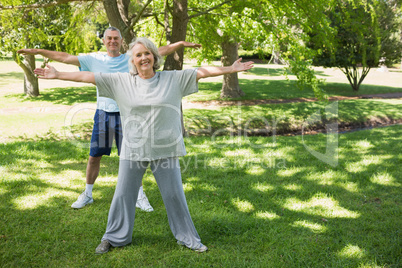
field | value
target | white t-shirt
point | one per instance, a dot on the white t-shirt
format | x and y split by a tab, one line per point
96	62
150	111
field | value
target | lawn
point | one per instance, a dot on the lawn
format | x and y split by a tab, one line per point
256	201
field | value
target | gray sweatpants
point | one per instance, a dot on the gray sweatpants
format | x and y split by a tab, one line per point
119	230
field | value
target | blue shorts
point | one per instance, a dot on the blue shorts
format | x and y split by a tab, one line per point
106	127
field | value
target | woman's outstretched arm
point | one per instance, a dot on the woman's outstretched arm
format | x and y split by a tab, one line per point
237	66
52	73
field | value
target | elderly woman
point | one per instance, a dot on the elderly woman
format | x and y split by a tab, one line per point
149	103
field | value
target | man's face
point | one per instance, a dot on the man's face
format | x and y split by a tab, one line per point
112	41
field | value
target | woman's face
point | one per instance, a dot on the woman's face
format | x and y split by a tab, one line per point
143	59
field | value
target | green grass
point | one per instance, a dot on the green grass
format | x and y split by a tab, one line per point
256	202
289	117
282	89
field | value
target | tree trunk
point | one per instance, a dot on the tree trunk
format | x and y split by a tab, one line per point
117	14
31	85
230	84
168	30
174	61
355	79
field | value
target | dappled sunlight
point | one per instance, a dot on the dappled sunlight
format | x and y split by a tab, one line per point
314	227
188	187
266	215
206	187
65	177
293	187
385	179
365	162
255	170
352	251
3	191
262	187
241	152
362	145
350	187
192	179
40	198
328	177
242	205
218	162
321	206
289	172
285	152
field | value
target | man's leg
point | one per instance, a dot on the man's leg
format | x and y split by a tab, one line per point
100	145
93	167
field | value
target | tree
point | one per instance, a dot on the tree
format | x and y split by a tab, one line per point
64	25
124	15
275	25
365	33
180	20
51	27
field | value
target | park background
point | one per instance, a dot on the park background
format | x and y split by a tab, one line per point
258	195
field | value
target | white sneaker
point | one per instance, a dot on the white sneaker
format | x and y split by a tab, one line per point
82	201
143	203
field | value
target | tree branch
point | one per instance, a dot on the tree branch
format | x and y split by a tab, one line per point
43	5
139	15
209	9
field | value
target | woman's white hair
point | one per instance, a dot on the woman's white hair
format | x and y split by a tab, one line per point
151	47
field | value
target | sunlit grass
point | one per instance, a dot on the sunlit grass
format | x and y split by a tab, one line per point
314	227
242	206
267	215
352	251
321	206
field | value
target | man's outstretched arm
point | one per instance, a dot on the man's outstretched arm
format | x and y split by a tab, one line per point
53	55
169	49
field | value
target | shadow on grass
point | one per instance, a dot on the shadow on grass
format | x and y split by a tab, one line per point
260	89
256	89
267	200
263	71
11	75
286	118
297	205
65	95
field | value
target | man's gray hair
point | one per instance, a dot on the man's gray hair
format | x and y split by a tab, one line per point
111	28
151	47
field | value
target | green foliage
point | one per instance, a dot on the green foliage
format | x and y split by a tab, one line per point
365	34
63	27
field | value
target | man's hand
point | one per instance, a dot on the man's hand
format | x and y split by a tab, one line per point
28	51
50	73
191	45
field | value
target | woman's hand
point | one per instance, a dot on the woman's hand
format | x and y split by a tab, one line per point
50	73
239	66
